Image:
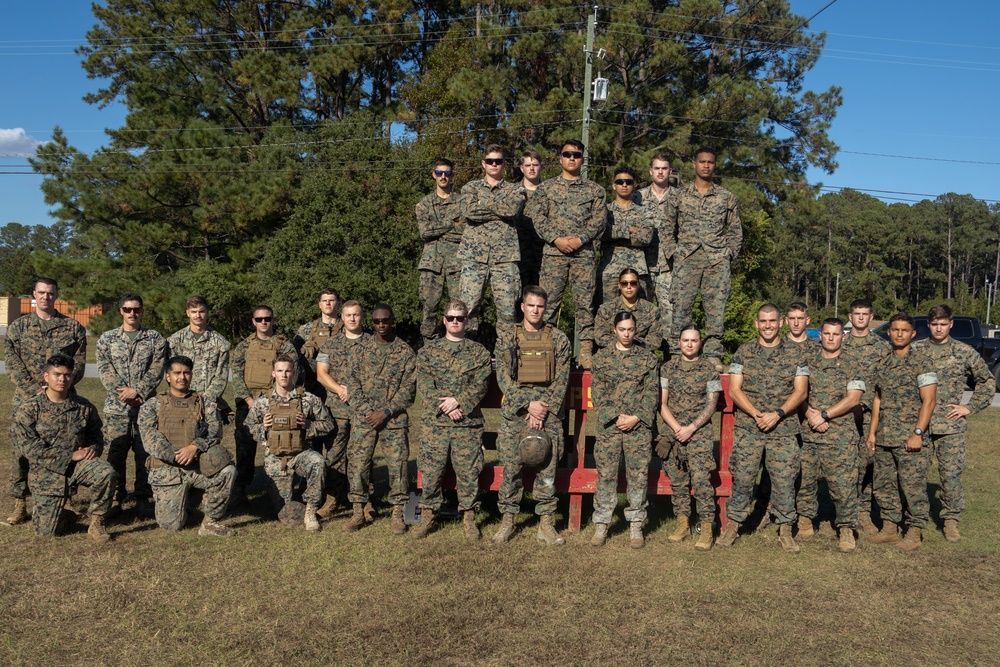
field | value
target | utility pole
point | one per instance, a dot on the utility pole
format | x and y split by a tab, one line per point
588	73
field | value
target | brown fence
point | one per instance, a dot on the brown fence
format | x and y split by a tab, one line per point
68	308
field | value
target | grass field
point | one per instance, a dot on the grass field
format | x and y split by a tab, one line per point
276	595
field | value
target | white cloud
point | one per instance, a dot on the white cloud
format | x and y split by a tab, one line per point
15	142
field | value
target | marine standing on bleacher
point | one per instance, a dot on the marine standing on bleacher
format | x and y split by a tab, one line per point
440	223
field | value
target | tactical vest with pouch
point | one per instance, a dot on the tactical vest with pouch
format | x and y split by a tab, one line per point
535	356
319	334
259	357
286	437
177	420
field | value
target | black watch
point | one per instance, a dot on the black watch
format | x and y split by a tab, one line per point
825	416
780	413
388	412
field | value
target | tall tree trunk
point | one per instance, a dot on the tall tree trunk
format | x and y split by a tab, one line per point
949	256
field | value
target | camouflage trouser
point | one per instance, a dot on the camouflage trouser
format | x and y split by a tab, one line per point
710	274
838	465
865	468
950	451
246	447
694	470
512	488
896	471
336	458
19	468
121	434
637	447
744	464
307	465
465	447
661	287
609	284
581	274
505	282
431	290
95	474
170	491
361	449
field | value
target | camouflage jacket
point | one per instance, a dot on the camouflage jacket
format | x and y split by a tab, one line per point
318	420
956	364
569	208
688	385
805	350
517	397
441	225
209	432
239	357
136	364
210	354
660	250
382	379
337	353
866	352
829	382
491	214
48	433
768	380
710	220
648	330
31	341
627	233
898	381
458	369
308	345
625	382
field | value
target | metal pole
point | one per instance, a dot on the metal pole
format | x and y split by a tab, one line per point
588	74
836	298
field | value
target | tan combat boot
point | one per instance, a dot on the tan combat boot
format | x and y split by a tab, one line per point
312	523
683	530
357	520
370	513
888	534
600	537
912	540
469	526
866	525
728	537
806	529
397	524
704	542
211	527
951	530
547	531
847	545
586	358
786	540
426	525
635	538
506	530
96	531
328	508
19	514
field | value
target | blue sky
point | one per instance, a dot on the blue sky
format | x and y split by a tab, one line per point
920	83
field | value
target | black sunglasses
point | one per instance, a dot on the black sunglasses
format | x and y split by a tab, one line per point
263	319
441	172
455	318
129	310
493	161
572	155
624	181
381	320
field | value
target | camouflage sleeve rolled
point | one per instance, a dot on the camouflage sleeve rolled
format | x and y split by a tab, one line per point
407	392
255	418
473	391
80	356
16	367
94	435
221	378
154	442
734	228
39	451
984	383
105	366
237	363
154	374
319	422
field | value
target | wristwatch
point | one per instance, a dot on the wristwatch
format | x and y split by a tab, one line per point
388	412
918	431
780	413
825	416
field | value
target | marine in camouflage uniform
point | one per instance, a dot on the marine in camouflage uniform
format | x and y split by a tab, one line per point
209	351
131	359
310	338
767	385
490	249
172	481
900	379
380	389
458	369
264	346
660	251
691	389
956	364
624	382
518	396
30	341
629	230
647	322
50	432
709	237
572	210
440	222
308	465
